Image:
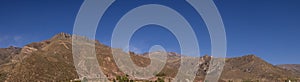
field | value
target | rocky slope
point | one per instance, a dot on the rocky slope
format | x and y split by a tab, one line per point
6	54
251	67
292	67
52	60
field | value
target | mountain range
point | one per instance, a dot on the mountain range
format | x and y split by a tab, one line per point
52	60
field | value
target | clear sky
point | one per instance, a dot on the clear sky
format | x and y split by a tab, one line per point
268	28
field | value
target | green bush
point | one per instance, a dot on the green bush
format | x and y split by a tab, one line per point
160	75
159	80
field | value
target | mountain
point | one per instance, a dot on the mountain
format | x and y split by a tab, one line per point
254	68
6	54
49	60
52	60
295	68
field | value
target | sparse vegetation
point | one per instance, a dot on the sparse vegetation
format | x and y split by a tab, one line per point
52	60
122	79
160	75
247	80
159	80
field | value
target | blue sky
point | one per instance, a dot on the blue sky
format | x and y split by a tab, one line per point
269	29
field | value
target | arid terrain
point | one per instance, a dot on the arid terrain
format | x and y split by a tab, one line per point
52	60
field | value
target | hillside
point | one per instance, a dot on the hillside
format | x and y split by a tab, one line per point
254	68
292	67
6	54
52	60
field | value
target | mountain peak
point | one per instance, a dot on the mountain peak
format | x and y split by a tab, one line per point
13	47
61	36
250	55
